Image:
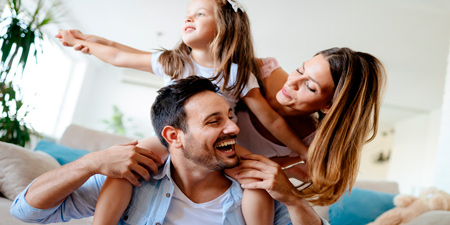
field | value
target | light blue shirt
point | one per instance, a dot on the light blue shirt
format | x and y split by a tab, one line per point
149	203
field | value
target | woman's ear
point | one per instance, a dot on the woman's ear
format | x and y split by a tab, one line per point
326	109
172	136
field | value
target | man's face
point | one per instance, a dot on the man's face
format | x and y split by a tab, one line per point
210	137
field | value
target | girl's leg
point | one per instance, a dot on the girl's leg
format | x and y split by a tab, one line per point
112	202
257	204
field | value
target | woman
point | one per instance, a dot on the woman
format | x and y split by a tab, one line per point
344	88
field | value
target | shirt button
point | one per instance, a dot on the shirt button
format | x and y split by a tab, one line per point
167	195
125	217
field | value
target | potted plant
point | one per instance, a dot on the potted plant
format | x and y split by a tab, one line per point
21	32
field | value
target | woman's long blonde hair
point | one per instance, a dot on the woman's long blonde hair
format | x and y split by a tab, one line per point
335	153
232	44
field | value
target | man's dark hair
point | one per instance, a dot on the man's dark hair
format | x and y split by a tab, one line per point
168	108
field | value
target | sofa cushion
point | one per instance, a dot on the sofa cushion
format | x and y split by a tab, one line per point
80	137
360	207
432	217
61	153
19	166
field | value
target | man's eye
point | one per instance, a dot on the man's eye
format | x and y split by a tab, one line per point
299	72
200	14
212	122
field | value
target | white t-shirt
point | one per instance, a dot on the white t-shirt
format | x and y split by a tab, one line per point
184	211
207	73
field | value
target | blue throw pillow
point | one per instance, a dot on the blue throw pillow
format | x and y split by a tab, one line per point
360	207
61	153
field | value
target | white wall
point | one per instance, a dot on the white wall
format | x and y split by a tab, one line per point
371	168
103	88
442	169
414	150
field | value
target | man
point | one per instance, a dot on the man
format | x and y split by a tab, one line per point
200	137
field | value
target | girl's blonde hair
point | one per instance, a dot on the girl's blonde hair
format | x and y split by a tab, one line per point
232	44
335	153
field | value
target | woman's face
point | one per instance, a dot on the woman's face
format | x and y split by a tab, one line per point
308	88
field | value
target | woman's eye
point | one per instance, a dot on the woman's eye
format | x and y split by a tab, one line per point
310	89
299	72
200	14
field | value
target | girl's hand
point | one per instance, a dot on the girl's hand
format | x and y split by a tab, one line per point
273	179
65	36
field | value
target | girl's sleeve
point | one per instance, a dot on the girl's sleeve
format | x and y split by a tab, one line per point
156	66
268	66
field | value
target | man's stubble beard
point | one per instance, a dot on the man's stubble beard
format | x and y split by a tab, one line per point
206	155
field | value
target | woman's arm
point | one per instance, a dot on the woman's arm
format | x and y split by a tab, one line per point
111	52
275	182
274	123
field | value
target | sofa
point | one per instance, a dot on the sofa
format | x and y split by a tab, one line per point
19	166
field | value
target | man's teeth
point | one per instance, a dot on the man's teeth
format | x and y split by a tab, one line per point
223	144
226	144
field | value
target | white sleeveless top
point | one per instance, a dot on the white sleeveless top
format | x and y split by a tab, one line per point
252	140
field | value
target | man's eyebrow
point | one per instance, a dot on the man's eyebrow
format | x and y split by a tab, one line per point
216	114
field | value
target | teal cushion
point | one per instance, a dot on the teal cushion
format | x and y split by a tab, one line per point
61	153
360	207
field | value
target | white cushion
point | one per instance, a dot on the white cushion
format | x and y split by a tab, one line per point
19	166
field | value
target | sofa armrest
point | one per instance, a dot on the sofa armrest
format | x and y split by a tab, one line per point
80	137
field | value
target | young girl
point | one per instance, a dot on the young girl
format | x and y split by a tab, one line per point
216	44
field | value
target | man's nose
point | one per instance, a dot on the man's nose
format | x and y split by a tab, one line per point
231	127
188	20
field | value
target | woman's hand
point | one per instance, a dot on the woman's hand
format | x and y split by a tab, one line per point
272	178
275	182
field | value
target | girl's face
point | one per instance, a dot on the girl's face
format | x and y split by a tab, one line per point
199	28
309	88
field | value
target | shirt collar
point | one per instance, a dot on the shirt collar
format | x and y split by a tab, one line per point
164	171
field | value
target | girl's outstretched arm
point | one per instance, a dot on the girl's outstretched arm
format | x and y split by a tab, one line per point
112	201
96	39
111	52
274	123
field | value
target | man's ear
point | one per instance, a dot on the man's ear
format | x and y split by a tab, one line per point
172	136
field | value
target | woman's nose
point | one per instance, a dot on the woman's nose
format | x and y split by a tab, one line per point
188	20
294	82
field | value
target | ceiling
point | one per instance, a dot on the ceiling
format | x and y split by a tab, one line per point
411	37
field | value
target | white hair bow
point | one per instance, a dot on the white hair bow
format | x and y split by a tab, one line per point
236	5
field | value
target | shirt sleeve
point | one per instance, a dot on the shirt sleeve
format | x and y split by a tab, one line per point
78	205
269	65
251	83
156	66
